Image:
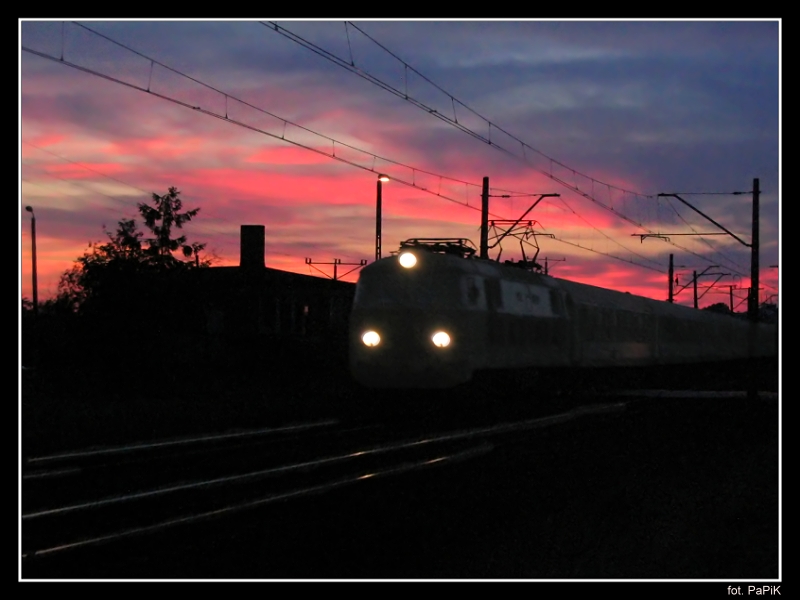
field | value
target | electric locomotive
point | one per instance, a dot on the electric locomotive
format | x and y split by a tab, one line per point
433	314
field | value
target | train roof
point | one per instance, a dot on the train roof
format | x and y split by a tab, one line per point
581	293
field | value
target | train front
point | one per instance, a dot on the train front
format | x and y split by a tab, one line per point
407	329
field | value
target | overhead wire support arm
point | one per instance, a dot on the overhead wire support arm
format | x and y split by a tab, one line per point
699	275
336	262
702	214
359	264
664	236
649	235
719	276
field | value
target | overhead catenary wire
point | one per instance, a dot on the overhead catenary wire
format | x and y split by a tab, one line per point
454	122
689	225
438	114
226	117
227	95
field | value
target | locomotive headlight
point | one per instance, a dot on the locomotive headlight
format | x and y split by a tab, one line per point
407	260
440	339
371	338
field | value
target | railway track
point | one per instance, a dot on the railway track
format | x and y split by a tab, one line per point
632	486
85	499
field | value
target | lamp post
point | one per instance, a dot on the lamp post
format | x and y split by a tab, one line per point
381	179
33	259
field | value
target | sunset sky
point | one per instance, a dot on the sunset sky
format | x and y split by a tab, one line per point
289	126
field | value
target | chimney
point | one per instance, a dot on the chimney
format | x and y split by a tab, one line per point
251	254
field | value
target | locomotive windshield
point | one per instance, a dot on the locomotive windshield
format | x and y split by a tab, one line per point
377	290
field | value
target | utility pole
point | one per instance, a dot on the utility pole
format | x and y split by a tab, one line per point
484	249
752	306
752	311
694	283
752	296
33	260
730	287
671	297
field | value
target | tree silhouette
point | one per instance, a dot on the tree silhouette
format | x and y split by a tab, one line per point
116	275
128	308
160	220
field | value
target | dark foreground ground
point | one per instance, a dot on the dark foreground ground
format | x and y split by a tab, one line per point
669	489
681	490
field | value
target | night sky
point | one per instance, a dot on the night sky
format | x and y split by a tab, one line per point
292	139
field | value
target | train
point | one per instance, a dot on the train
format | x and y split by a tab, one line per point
433	314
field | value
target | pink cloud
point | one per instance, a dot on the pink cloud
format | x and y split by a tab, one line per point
37	141
84	170
166	147
288	156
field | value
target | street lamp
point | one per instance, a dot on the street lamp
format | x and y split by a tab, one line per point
381	179
33	246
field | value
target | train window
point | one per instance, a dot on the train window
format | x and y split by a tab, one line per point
376	291
494	296
472	293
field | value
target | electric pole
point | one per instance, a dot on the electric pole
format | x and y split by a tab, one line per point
671	297
33	260
484	249
752	307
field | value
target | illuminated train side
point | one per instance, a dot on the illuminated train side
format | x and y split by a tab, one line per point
423	319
